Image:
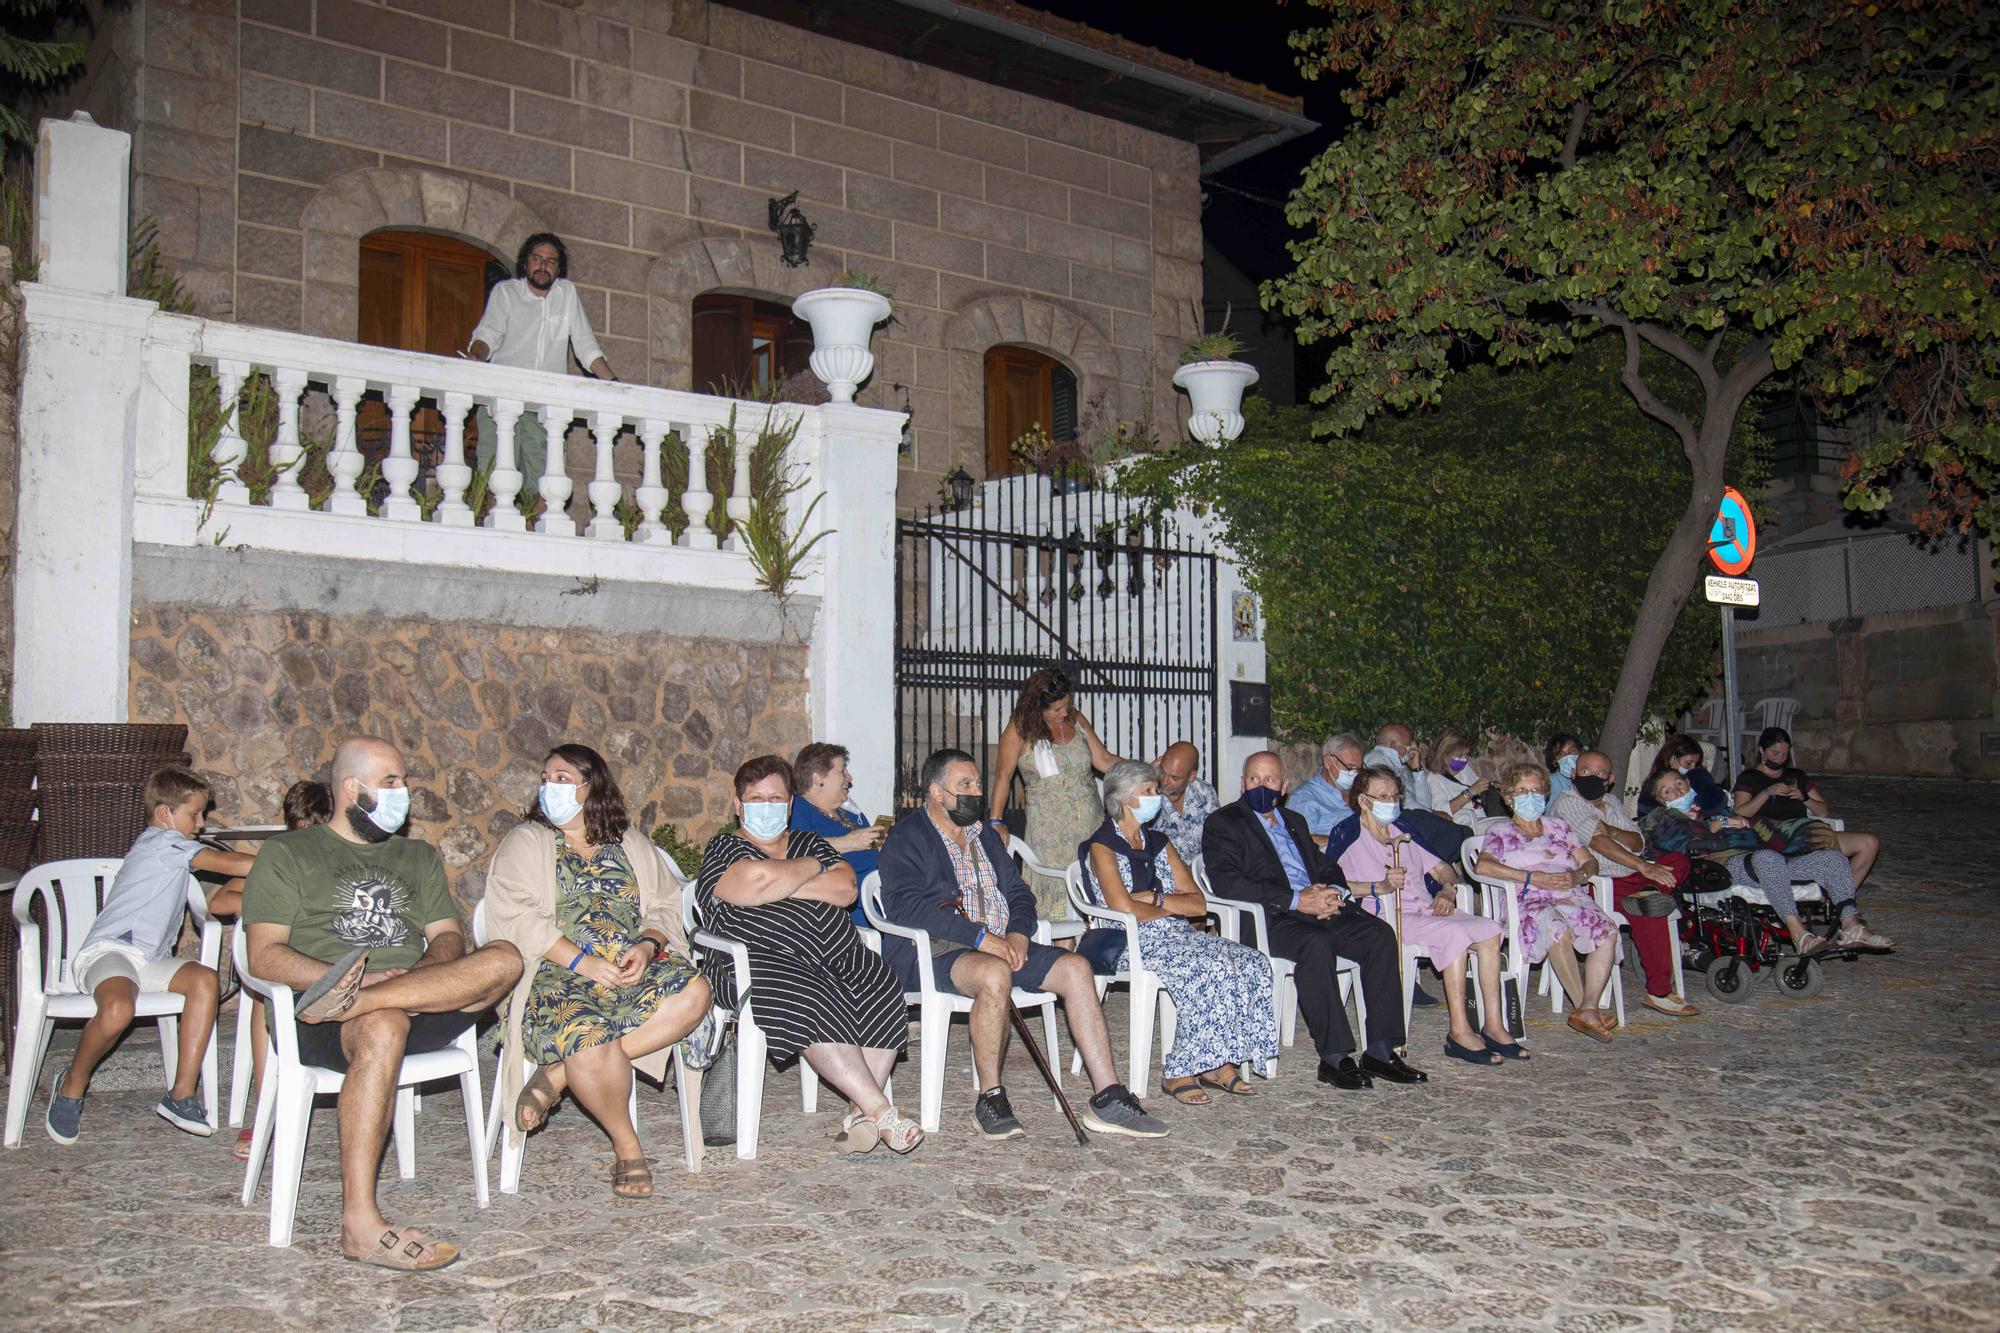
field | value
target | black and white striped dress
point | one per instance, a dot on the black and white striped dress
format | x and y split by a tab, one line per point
811	977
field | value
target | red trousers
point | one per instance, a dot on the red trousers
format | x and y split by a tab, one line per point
1653	936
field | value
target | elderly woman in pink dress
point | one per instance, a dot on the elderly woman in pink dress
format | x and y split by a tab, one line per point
1559	917
1389	874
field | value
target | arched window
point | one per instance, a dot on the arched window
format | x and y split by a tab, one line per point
744	346
423	292
1025	389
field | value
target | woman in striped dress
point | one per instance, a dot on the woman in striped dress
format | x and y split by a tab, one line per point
815	988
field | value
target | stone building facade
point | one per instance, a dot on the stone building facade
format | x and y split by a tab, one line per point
271	135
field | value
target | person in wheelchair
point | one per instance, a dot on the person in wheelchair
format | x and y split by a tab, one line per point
1761	857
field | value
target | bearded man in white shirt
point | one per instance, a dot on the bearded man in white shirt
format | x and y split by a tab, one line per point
533	321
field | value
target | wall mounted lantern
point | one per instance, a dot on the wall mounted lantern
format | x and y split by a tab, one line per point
960	482
794	232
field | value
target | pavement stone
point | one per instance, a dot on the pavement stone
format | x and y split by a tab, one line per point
1829	1162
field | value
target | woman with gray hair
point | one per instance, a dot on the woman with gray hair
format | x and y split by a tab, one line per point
1221	990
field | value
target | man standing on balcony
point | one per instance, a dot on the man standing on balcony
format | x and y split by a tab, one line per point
532	321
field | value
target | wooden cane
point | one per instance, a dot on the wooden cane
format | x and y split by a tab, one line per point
1048	1075
1395	863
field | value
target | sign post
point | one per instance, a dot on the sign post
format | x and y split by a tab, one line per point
1732	545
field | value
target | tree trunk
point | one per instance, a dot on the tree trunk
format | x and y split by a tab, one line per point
1667	589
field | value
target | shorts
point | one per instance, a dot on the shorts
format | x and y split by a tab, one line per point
1029	976
319	1043
97	963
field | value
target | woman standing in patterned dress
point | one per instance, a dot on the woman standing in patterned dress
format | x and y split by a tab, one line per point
816	989
1058	755
577	887
1221	990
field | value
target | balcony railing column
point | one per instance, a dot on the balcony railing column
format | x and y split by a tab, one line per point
345	462
453	476
738	507
651	496
505	480
287	455
399	469
696	500
604	490
555	484
230	448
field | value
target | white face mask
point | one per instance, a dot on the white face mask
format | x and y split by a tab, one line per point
1345	780
766	819
560	803
392	807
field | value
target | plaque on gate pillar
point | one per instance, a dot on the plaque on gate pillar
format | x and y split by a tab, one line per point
1249	708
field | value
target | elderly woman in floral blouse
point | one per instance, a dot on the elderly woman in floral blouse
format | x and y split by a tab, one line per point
1559	917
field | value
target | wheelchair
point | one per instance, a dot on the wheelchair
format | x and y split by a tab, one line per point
1731	936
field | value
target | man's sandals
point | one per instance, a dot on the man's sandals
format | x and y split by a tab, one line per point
538	1097
632	1178
401	1249
332	993
1187	1091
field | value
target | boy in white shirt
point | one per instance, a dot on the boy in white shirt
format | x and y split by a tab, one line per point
130	948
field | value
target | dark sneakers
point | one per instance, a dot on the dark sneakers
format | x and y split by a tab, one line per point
186	1113
995	1116
65	1115
1117	1111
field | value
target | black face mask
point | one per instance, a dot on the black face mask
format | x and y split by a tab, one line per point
1263	799
965	809
1591	788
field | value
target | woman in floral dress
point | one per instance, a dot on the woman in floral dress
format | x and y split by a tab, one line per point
580	890
1222	991
1051	745
1559	917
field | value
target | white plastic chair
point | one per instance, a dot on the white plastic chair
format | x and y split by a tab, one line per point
285	1103
1148	995
1413	957
1776	711
496	1114
1050	931
1614	988
1501	901
1284	971
935	1008
70	892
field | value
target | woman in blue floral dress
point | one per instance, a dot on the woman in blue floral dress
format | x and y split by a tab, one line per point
1222	991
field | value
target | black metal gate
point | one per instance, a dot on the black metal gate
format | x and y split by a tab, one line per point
1035	573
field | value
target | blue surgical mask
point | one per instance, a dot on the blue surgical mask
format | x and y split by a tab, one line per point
1385	812
559	802
766	819
1262	799
1566	765
1149	807
1684	802
392	807
1345	780
1530	804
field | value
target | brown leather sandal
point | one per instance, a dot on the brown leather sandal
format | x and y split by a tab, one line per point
632	1178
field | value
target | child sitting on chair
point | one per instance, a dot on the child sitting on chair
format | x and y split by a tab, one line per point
130	948
306	803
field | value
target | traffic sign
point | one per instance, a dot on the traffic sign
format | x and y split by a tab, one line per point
1732	538
1730	592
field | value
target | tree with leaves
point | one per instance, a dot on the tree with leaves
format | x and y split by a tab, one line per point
35	60
1743	190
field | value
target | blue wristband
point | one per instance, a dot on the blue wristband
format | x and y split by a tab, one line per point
579	958
980	939
1529	880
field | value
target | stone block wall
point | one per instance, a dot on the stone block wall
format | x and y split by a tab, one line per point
645	133
267	695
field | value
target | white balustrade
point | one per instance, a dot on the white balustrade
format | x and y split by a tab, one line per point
345	462
287	455
505	482
738	506
453	476
651	496
399	469
696	501
230	447
555	520
604	490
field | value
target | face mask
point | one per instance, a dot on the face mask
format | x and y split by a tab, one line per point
1684	802
559	802
965	809
391	807
1566	765
1592	788
1530	804
1345	780
766	819
1262	799
1149	806
1457	765
1385	812
1685	766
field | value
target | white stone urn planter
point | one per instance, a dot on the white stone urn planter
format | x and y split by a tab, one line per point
843	320
1215	397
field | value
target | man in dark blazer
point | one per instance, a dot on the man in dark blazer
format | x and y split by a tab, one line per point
1256	850
945	870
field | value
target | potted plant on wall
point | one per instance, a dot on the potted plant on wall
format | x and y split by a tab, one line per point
843	319
1215	381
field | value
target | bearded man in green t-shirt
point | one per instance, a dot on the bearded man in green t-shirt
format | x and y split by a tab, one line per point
361	923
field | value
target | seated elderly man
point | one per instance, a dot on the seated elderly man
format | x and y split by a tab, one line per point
1262	853
947	871
1396	750
1186	801
360	923
1643	884
1321	800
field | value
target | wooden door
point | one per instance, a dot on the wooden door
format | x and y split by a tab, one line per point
1019	396
420	293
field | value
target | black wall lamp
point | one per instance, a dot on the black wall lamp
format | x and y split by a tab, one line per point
794	232
960	484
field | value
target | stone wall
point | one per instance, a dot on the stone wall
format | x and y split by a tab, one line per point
645	133
474	707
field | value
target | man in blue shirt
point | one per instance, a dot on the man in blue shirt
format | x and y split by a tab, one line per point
1322	798
1188	800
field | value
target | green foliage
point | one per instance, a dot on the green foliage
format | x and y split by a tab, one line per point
1222	346
861	282
1477	563
35	59
150	277
686	855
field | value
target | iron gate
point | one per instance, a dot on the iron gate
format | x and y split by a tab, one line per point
1036	573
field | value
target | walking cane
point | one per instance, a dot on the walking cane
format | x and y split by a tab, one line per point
1402	996
1048	1075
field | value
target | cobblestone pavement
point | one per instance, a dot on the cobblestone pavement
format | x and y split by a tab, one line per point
1829	1163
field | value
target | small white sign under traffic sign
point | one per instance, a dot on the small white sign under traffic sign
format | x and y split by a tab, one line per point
1730	592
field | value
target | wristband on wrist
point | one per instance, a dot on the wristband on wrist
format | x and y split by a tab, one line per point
1527	879
981	939
579	958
